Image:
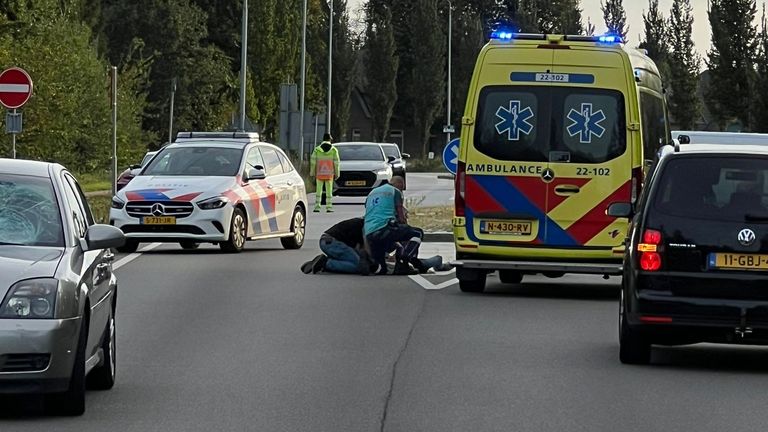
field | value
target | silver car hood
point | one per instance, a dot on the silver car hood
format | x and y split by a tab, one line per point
26	262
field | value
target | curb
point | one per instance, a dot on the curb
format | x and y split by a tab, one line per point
438	237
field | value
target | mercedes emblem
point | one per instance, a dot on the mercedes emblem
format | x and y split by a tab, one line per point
548	175
158	210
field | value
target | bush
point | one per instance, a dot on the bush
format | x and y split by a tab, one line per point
426	165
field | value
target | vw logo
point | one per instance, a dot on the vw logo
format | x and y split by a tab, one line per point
746	237
548	175
158	210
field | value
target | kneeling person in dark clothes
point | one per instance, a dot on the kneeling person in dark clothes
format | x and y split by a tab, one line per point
342	246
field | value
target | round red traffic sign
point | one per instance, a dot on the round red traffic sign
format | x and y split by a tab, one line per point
15	87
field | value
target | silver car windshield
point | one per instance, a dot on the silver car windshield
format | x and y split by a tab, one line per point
360	153
29	212
196	162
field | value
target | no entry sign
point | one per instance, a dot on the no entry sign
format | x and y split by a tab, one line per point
15	87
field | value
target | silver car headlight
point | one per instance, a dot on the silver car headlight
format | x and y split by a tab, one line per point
32	298
384	171
213	203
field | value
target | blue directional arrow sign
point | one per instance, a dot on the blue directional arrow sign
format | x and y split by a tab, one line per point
451	156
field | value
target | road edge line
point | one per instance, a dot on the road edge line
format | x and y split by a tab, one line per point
127	260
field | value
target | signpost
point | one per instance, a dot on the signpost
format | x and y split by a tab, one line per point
451	156
15	91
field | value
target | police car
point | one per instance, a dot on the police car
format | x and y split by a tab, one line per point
213	187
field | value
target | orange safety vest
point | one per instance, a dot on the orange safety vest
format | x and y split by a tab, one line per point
325	169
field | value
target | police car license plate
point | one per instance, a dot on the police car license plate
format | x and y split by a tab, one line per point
552	77
354	183
162	220
729	261
519	228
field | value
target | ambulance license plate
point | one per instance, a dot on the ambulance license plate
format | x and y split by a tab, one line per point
162	220
519	228
354	183
730	261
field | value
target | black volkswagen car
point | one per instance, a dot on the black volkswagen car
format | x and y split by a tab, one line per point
696	267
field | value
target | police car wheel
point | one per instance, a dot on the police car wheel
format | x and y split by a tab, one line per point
237	233
130	246
189	245
298	228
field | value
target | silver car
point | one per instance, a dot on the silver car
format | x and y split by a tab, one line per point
363	168
57	316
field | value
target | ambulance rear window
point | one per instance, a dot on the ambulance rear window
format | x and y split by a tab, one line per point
517	123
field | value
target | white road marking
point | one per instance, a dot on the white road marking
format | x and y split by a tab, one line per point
126	260
427	285
14	88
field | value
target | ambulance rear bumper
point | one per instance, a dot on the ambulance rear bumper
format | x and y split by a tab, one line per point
540	266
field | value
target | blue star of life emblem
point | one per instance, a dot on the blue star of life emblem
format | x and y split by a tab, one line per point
514	120
586	123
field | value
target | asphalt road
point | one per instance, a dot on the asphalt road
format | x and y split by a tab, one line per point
248	343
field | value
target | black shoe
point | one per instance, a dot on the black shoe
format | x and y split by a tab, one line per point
419	265
403	268
306	268
318	264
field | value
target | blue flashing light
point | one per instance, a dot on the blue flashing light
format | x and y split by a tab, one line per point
502	35
609	38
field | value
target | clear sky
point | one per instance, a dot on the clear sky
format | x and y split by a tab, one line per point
635	9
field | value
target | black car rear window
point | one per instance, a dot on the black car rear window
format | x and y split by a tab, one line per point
727	188
528	123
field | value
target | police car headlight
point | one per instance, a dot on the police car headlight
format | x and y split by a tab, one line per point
33	298
213	203
117	203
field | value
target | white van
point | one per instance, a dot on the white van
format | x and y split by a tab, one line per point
700	137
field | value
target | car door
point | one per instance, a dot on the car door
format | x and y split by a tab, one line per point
291	191
95	268
275	186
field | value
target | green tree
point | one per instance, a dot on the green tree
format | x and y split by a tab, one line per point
468	39
344	69
656	42
684	66
760	106
381	65
423	82
615	17
731	60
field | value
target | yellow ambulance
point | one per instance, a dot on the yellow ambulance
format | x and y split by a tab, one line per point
556	128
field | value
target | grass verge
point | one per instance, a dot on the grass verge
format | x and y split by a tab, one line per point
431	219
100	205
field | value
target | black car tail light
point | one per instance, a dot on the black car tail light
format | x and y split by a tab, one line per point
650	257
461	185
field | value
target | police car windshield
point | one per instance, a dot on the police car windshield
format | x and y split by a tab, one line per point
360	152
733	189
529	123
196	161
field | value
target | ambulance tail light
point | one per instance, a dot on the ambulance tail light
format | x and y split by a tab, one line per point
650	256
461	187
637	183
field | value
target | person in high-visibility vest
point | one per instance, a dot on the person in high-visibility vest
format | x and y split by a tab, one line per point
325	167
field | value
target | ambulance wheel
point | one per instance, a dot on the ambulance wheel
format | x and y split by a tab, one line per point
510	276
298	228
237	233
471	281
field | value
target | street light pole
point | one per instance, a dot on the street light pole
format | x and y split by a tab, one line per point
243	63
330	66
303	80
170	120
450	37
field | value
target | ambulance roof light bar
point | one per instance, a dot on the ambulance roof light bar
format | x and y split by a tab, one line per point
505	35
